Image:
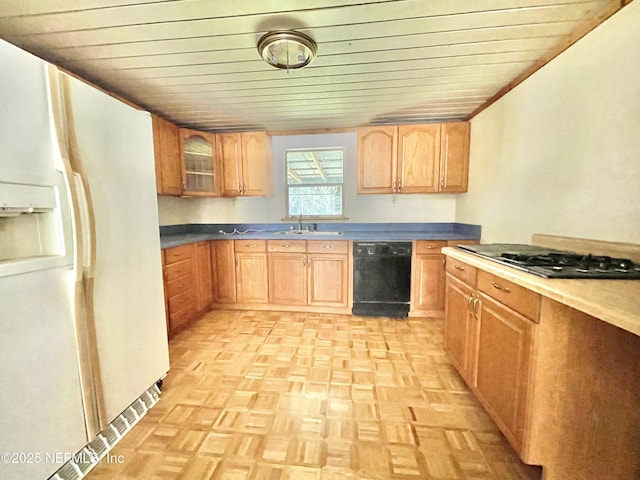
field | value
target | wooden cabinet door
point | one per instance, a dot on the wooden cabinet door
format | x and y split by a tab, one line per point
418	158
251	278
166	145
200	166
428	282
377	154
231	154
328	280
454	157
288	278
224	271
458	332
256	160
203	276
505	349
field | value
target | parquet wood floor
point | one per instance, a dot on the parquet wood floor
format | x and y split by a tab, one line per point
292	396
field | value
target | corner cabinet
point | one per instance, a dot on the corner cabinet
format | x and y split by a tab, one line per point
200	163
246	163
423	158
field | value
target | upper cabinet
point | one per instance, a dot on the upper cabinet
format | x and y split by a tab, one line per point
425	158
191	162
454	157
200	163
166	144
246	163
377	169
418	158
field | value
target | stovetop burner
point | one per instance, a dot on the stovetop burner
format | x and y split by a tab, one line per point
552	263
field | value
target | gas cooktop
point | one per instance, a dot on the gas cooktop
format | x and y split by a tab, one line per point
551	263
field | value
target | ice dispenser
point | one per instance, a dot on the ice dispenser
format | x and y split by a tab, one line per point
30	224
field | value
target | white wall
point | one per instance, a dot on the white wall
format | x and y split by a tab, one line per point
358	208
560	154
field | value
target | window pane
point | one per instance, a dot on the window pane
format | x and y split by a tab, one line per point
314	182
315	166
320	200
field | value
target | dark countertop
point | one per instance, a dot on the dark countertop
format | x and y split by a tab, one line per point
174	235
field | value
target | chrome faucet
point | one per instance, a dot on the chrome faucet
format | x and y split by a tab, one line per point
300	222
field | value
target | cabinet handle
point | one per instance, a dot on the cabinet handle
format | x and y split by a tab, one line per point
458	267
286	245
475	302
442	183
328	246
500	287
393	185
469	303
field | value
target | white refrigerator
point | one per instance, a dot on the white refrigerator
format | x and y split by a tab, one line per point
82	322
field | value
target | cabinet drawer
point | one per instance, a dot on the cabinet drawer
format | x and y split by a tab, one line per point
177	270
181	301
518	298
286	246
429	246
462	271
250	245
180	284
328	246
177	254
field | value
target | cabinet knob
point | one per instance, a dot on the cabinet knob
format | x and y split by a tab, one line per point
442	183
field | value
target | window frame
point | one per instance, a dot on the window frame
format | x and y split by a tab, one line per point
288	215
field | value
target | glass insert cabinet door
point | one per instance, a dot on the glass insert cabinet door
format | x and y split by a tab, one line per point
200	162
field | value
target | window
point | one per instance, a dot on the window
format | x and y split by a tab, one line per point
315	182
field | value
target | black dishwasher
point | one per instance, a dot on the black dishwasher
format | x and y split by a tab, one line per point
381	279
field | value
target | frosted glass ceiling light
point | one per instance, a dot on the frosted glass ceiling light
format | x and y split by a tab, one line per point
287	49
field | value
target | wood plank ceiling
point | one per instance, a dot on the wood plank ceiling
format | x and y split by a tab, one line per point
195	62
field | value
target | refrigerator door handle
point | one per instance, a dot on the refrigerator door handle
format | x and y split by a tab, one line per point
83	230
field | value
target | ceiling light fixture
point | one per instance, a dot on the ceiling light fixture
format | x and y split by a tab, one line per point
287	49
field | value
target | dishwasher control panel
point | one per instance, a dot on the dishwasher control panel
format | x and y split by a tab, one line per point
366	249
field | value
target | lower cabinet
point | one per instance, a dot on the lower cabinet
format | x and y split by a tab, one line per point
223	267
203	276
328	279
427	288
461	327
251	271
504	356
311	273
490	331
287	272
179	271
428	276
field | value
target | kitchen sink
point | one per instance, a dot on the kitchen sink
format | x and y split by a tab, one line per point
305	232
